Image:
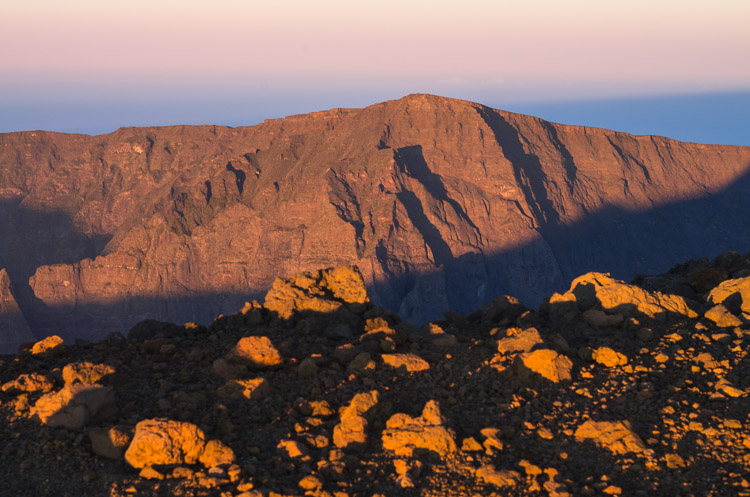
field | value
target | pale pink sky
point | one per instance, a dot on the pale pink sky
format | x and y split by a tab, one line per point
501	51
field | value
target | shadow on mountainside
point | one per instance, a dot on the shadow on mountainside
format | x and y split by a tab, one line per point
611	240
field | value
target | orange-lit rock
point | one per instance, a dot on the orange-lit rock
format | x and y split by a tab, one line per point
408	362
615	436
75	406
85	372
721	317
737	289
546	363
215	453
405	435
52	345
32	382
323	291
351	431
256	352
597	289
608	357
163	441
519	340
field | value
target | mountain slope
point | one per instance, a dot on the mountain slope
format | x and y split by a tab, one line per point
441	203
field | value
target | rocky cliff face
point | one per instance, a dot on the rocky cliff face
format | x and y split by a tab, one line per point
441	203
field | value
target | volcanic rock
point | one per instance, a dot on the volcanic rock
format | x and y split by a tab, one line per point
256	352
721	317
407	362
597	289
615	436
322	291
29	383
75	406
545	363
405	435
733	293
518	340
85	372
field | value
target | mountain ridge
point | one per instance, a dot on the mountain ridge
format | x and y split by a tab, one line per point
434	198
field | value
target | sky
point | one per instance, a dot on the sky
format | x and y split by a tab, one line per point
667	67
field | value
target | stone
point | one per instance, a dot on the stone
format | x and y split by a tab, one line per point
409	362
734	293
50	346
721	317
292	449
215	453
518	340
163	441
85	372
75	406
322	291
256	352
405	436
110	442
29	383
360	404
252	389
500	478
608	357
615	436
546	363
351	432
597	289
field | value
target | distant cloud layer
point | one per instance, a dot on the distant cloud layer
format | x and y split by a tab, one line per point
101	55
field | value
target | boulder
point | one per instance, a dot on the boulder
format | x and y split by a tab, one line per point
85	372
615	436
498	477
75	406
323	291
721	317
546	363
164	441
734	294
351	431
404	435
406	362
50	346
29	383
598	289
608	357
256	352
518	340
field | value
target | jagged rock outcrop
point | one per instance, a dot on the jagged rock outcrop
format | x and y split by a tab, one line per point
441	203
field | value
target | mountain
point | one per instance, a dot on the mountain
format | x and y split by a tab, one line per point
441	203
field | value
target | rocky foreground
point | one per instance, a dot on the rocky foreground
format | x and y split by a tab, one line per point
610	389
